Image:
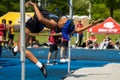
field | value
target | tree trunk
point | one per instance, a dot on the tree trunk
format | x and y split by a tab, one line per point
111	12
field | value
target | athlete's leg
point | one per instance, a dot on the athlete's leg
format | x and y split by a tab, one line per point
30	56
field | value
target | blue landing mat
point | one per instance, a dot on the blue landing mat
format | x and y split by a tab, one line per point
10	66
10	69
84	54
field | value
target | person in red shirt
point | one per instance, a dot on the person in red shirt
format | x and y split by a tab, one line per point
54	41
92	40
80	34
1	33
5	28
2	28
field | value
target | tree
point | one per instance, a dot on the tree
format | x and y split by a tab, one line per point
80	7
60	7
11	5
112	5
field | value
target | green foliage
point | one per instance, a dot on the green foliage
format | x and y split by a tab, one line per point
96	1
11	5
100	10
60	7
14	6
80	9
117	15
3	9
112	5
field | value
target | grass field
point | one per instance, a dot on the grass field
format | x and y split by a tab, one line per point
41	39
100	37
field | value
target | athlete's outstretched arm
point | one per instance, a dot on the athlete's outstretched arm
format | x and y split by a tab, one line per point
84	28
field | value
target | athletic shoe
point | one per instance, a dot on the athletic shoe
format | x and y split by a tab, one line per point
86	48
94	48
9	47
50	63
62	60
67	59
43	70
54	62
13	52
5	45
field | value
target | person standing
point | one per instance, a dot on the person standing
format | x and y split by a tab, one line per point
80	34
10	34
2	30
5	28
54	41
63	50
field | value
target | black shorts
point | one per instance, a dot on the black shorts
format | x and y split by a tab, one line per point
64	43
11	36
4	32
34	26
90	42
53	48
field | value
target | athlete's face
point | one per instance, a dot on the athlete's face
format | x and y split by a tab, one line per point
61	22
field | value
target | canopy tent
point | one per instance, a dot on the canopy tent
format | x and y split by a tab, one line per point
15	17
109	26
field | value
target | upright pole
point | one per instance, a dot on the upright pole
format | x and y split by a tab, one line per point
70	9
39	3
69	46
89	10
89	16
22	38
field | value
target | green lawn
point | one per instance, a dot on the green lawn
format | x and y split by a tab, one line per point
41	39
100	37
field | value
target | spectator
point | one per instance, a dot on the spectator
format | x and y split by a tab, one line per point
2	28
33	42
80	34
1	32
63	50
91	42
53	42
117	44
5	28
111	45
10	34
106	42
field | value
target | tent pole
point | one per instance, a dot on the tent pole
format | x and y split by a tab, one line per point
22	38
69	45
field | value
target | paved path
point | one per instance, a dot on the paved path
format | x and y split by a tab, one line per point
108	72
